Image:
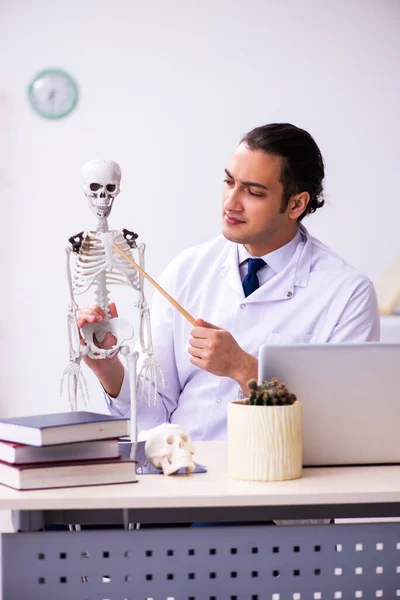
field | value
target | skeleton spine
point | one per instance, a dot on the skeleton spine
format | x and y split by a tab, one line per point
101	293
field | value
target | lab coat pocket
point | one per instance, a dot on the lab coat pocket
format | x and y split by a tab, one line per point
288	338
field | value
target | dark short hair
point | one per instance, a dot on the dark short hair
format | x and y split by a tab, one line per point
303	165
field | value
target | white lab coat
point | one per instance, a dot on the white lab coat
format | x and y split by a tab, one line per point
317	298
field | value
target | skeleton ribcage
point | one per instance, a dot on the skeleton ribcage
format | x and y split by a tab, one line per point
96	257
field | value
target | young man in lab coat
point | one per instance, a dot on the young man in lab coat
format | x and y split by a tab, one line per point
300	292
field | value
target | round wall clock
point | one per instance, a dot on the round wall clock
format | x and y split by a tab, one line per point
53	93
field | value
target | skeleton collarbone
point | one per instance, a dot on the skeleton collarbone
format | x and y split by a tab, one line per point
97	255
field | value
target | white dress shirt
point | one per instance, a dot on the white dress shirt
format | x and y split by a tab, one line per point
307	294
275	261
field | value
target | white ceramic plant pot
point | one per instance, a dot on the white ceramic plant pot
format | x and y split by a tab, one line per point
264	442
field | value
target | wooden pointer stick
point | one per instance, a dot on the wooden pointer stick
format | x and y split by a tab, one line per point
158	287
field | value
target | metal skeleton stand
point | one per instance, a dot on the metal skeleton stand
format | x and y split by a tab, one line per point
98	265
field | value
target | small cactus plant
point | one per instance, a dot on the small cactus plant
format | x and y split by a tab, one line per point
269	393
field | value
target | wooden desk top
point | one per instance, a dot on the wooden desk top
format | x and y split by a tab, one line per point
337	485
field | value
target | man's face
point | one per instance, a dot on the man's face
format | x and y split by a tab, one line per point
251	202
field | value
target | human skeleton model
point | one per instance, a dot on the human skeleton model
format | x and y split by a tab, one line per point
98	265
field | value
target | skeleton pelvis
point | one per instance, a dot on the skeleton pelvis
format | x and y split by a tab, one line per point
94	334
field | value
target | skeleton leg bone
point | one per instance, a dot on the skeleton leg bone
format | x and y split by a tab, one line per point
131	361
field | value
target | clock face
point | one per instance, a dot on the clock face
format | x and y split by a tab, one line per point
53	94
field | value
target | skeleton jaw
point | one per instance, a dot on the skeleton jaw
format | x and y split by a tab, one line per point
170	464
101	206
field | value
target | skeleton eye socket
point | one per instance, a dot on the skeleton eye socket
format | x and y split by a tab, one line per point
95	187
170	439
111	187
184	437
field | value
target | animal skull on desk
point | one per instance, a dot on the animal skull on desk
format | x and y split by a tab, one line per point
169	447
101	184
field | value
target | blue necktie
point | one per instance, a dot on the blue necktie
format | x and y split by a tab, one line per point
250	282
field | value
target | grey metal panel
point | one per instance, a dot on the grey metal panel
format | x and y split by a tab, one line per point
29	521
205	563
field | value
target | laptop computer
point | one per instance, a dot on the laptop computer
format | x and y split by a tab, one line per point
350	395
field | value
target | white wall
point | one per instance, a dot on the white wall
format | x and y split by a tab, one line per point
167	89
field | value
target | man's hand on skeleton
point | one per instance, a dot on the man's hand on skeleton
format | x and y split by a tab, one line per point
110	371
94	314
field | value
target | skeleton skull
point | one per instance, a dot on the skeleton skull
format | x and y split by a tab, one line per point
169	447
101	179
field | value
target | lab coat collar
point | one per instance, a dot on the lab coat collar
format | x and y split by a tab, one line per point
281	286
277	259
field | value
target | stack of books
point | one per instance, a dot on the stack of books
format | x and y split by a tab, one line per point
63	450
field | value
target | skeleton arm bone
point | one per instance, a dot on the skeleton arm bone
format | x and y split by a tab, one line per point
146	342
75	351
162	318
151	374
75	380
